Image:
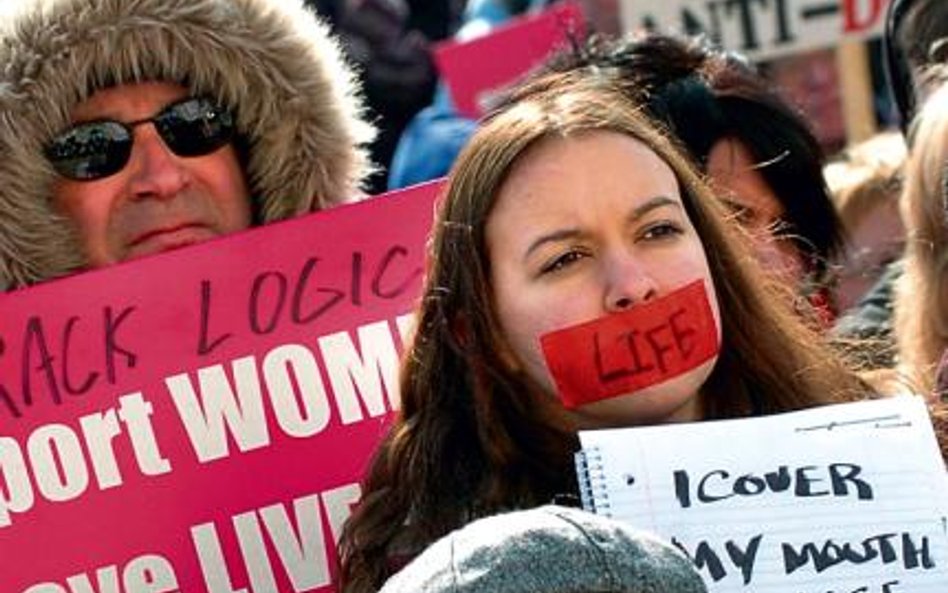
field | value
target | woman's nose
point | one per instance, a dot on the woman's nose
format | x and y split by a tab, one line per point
629	284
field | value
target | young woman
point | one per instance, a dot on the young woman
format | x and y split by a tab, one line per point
567	207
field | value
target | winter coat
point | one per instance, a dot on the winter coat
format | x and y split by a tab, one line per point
435	136
272	62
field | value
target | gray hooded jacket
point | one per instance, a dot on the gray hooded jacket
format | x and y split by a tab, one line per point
271	61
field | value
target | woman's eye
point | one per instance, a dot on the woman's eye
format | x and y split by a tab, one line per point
561	261
662	230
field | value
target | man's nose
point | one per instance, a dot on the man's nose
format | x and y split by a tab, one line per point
628	283
156	172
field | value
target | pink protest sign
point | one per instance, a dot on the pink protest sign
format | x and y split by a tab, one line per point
628	351
199	421
478	69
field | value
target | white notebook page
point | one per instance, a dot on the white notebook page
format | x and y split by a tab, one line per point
850	498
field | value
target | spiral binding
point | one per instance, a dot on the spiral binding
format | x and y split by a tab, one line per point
591	475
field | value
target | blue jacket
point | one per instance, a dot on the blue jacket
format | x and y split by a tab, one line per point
435	136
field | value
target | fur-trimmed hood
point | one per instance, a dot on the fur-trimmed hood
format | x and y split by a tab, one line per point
271	61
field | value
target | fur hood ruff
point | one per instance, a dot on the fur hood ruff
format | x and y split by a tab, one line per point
271	61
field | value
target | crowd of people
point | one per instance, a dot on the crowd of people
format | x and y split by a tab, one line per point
620	173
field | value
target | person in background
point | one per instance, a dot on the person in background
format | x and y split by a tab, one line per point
921	316
390	42
434	137
914	47
132	127
866	184
548	550
760	156
567	212
915	39
921	295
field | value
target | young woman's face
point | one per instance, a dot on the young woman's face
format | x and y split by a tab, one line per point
734	173
585	227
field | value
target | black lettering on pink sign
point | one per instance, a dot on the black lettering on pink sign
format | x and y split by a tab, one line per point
277	298
113	349
88	378
53	358
301	295
5	395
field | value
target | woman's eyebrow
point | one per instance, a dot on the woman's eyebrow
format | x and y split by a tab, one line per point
651	204
569	233
553	237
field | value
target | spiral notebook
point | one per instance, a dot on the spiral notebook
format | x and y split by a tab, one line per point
843	498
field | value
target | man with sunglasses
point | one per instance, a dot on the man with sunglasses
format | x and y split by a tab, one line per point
131	127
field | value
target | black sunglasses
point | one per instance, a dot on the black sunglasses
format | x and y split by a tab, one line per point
194	126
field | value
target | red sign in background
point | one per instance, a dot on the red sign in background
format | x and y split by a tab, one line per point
199	421
477	69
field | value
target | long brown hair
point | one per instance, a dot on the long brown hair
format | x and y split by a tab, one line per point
474	436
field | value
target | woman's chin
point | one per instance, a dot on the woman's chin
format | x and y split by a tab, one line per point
675	400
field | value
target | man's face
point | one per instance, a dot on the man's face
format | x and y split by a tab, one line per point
158	201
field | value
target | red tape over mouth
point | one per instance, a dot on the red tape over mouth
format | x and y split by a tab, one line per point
625	352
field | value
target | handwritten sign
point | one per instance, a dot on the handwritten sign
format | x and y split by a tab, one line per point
477	70
762	29
622	353
199	421
850	498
